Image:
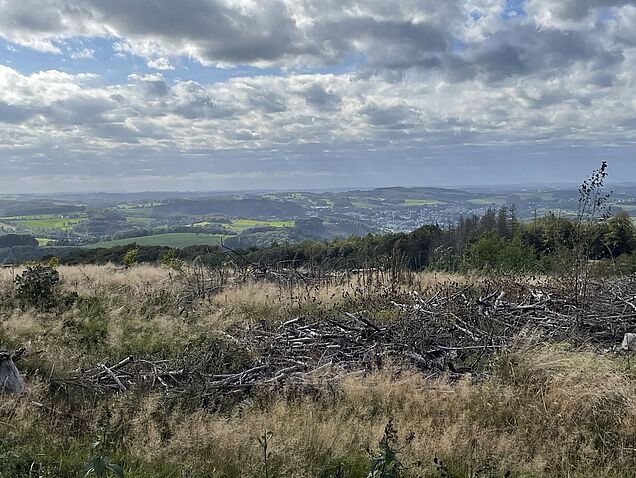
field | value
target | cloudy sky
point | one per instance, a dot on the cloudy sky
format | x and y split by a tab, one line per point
252	94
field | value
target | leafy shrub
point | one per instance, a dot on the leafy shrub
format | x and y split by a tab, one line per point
386	463
36	286
492	252
100	467
131	256
53	261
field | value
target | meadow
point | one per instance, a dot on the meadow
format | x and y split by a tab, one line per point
240	225
44	221
489	201
422	202
535	408
185	239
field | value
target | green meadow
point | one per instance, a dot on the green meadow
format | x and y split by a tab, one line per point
422	202
44	221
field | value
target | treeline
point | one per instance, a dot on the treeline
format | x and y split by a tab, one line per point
31	208
11	240
495	241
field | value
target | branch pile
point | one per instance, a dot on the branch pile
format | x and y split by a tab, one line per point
449	330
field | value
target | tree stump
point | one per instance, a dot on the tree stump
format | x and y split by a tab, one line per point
11	382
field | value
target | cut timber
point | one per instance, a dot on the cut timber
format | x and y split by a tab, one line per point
629	342
11	382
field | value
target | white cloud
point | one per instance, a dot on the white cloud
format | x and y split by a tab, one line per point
570	14
82	54
427	76
219	32
298	109
161	63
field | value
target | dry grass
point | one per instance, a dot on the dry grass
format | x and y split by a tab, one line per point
565	413
141	279
91	276
355	286
263	293
550	412
542	411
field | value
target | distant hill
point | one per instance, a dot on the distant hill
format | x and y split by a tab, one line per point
31	208
252	208
441	194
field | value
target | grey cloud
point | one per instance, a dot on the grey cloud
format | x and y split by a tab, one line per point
269	102
384	42
392	117
191	100
571	10
209	28
623	27
117	132
14	114
219	32
285	32
247	135
202	108
525	50
422	85
318	97
152	85
603	79
79	110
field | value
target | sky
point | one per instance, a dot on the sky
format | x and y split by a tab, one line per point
140	95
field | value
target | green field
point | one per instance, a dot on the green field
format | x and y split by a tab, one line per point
45	221
44	241
240	225
180	239
497	200
422	202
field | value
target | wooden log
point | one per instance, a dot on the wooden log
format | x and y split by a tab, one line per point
114	377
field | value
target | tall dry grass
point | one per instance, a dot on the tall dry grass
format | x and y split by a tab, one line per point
331	292
550	412
539	411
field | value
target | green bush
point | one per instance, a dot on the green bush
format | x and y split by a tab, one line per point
36	286
494	253
131	256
